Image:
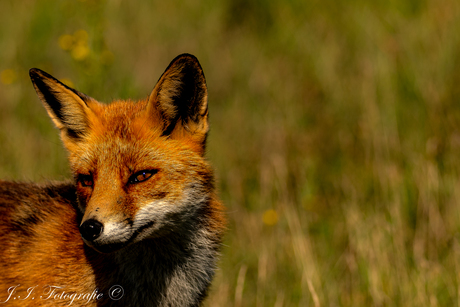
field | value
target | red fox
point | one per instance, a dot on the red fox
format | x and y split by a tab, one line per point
140	224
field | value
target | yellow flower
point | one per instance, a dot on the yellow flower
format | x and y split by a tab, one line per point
66	41
77	44
81	36
270	217
80	51
8	76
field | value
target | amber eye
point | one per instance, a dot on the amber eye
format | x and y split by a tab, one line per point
142	176
86	180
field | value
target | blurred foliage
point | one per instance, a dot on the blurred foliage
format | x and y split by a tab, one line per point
335	131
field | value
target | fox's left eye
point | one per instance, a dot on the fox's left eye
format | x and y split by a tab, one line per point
142	176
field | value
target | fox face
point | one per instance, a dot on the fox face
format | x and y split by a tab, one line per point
138	167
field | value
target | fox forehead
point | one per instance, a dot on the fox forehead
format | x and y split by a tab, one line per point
132	156
124	135
123	119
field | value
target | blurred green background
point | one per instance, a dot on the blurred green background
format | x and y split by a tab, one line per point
335	131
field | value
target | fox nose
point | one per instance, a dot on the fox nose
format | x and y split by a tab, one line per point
91	229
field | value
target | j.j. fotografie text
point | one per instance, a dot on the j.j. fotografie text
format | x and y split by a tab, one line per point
48	293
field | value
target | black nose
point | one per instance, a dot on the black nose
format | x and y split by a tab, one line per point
91	230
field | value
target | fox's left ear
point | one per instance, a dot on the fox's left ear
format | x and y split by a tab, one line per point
180	100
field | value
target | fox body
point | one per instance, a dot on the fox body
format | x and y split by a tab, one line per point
140	224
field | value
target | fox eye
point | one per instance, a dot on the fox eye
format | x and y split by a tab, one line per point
142	176
86	180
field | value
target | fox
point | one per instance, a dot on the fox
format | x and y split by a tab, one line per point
139	223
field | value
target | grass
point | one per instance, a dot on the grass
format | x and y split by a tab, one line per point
335	132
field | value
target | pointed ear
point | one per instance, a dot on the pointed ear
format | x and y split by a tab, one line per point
180	100
67	107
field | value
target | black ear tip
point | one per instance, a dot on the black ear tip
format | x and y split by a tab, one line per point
36	73
187	59
186	56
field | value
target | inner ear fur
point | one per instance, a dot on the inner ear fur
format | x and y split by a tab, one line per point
180	99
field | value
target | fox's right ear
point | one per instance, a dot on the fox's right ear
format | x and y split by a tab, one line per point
67	107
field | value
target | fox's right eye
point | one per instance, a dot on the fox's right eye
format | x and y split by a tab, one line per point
86	180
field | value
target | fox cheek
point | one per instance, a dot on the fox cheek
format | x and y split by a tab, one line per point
157	193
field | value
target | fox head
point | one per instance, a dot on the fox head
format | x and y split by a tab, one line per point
138	167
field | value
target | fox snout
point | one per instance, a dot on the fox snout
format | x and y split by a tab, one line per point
92	232
106	237
91	229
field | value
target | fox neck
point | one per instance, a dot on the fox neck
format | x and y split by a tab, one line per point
173	270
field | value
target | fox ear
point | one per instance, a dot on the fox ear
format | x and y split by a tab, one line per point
67	107
180	99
